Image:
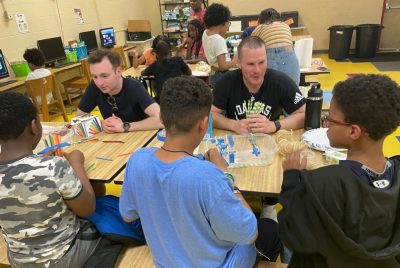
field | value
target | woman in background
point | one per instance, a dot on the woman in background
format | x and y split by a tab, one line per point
195	50
198	9
277	37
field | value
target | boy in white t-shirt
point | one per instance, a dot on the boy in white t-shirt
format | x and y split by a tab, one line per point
217	22
36	60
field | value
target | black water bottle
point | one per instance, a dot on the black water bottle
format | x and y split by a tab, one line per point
313	107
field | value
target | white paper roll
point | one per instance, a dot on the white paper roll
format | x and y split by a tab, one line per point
303	49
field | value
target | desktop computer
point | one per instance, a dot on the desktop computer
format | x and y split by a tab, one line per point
53	51
107	37
90	40
4	74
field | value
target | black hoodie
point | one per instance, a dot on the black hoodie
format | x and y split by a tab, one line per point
332	218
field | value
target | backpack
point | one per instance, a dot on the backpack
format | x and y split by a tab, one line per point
110	224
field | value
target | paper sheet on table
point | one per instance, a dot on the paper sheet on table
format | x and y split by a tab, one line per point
303	49
236	26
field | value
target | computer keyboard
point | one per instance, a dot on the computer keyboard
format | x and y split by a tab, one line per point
63	64
2	84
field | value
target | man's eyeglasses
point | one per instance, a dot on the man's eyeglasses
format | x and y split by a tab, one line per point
325	120
114	108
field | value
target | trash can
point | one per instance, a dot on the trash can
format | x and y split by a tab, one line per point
367	37
339	41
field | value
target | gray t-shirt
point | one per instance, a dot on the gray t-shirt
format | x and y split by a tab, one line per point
36	222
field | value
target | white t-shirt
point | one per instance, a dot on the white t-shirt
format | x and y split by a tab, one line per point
40	73
214	45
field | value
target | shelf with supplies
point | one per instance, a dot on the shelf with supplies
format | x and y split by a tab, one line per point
174	3
174	19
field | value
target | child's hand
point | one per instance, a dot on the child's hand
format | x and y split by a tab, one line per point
132	53
294	161
49	153
75	156
215	157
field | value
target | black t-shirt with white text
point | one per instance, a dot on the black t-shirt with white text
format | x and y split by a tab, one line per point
131	101
277	92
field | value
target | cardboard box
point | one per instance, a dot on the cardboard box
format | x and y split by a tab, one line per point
294	15
139	26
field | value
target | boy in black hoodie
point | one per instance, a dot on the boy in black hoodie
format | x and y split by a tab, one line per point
348	215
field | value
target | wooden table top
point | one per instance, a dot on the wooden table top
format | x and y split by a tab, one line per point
260	180
265	180
117	152
21	80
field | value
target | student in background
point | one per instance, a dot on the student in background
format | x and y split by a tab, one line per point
206	222
347	215
262	18
277	37
217	23
198	10
35	60
41	198
195	50
148	56
165	67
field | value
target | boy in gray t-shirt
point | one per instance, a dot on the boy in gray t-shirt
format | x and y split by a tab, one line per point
40	197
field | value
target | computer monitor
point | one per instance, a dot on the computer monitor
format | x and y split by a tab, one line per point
3	66
52	49
107	37
90	40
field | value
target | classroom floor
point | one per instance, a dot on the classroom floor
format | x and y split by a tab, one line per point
339	72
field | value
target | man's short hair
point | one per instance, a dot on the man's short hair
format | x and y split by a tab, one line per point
371	101
184	101
16	112
250	42
162	50
98	55
216	14
34	56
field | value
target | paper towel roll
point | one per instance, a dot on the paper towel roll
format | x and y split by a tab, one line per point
303	49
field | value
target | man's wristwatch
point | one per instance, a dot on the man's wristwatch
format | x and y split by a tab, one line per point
277	125
126	126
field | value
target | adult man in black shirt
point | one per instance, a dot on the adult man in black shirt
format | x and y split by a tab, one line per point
124	103
253	96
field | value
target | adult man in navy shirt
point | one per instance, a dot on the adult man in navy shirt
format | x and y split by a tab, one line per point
253	96
124	103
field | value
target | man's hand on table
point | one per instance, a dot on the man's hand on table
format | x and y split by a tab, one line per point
113	124
241	126
258	123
